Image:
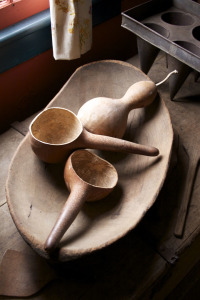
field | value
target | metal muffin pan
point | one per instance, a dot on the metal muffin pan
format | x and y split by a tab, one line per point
172	26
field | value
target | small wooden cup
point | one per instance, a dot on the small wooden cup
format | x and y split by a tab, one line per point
88	178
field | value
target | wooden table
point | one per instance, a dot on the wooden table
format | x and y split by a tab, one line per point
149	262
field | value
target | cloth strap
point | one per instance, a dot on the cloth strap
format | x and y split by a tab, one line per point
71	27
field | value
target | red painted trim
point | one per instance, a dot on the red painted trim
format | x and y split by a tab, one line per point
20	10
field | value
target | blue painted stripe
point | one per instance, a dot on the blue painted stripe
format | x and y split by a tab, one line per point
25	48
32	36
25	27
25	40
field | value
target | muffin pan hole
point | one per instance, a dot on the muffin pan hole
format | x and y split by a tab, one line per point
189	46
159	29
172	26
177	18
196	33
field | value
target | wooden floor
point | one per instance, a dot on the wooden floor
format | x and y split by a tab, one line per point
150	262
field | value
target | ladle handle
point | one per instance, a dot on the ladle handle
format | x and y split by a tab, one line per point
101	142
68	214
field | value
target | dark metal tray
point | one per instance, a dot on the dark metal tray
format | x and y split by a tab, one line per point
171	26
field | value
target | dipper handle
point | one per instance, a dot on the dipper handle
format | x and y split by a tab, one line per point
100	142
68	214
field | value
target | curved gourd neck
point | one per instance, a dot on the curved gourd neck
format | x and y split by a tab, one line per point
140	94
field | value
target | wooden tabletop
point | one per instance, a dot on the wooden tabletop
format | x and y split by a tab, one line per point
150	262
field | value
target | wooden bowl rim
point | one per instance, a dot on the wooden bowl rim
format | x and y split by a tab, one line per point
67	254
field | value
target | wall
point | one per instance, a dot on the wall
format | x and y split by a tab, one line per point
28	87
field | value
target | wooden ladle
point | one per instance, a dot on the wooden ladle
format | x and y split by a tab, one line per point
56	132
108	116
88	178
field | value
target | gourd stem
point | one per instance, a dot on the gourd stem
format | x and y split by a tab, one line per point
173	72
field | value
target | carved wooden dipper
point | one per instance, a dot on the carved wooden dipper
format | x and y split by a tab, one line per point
57	131
88	178
108	116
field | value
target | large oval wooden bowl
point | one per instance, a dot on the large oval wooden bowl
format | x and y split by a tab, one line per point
36	192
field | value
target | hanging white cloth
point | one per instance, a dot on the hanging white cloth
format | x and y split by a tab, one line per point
71	27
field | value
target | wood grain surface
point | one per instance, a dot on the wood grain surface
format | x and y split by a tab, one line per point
149	262
36	191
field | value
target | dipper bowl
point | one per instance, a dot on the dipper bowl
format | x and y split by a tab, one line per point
88	178
56	132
